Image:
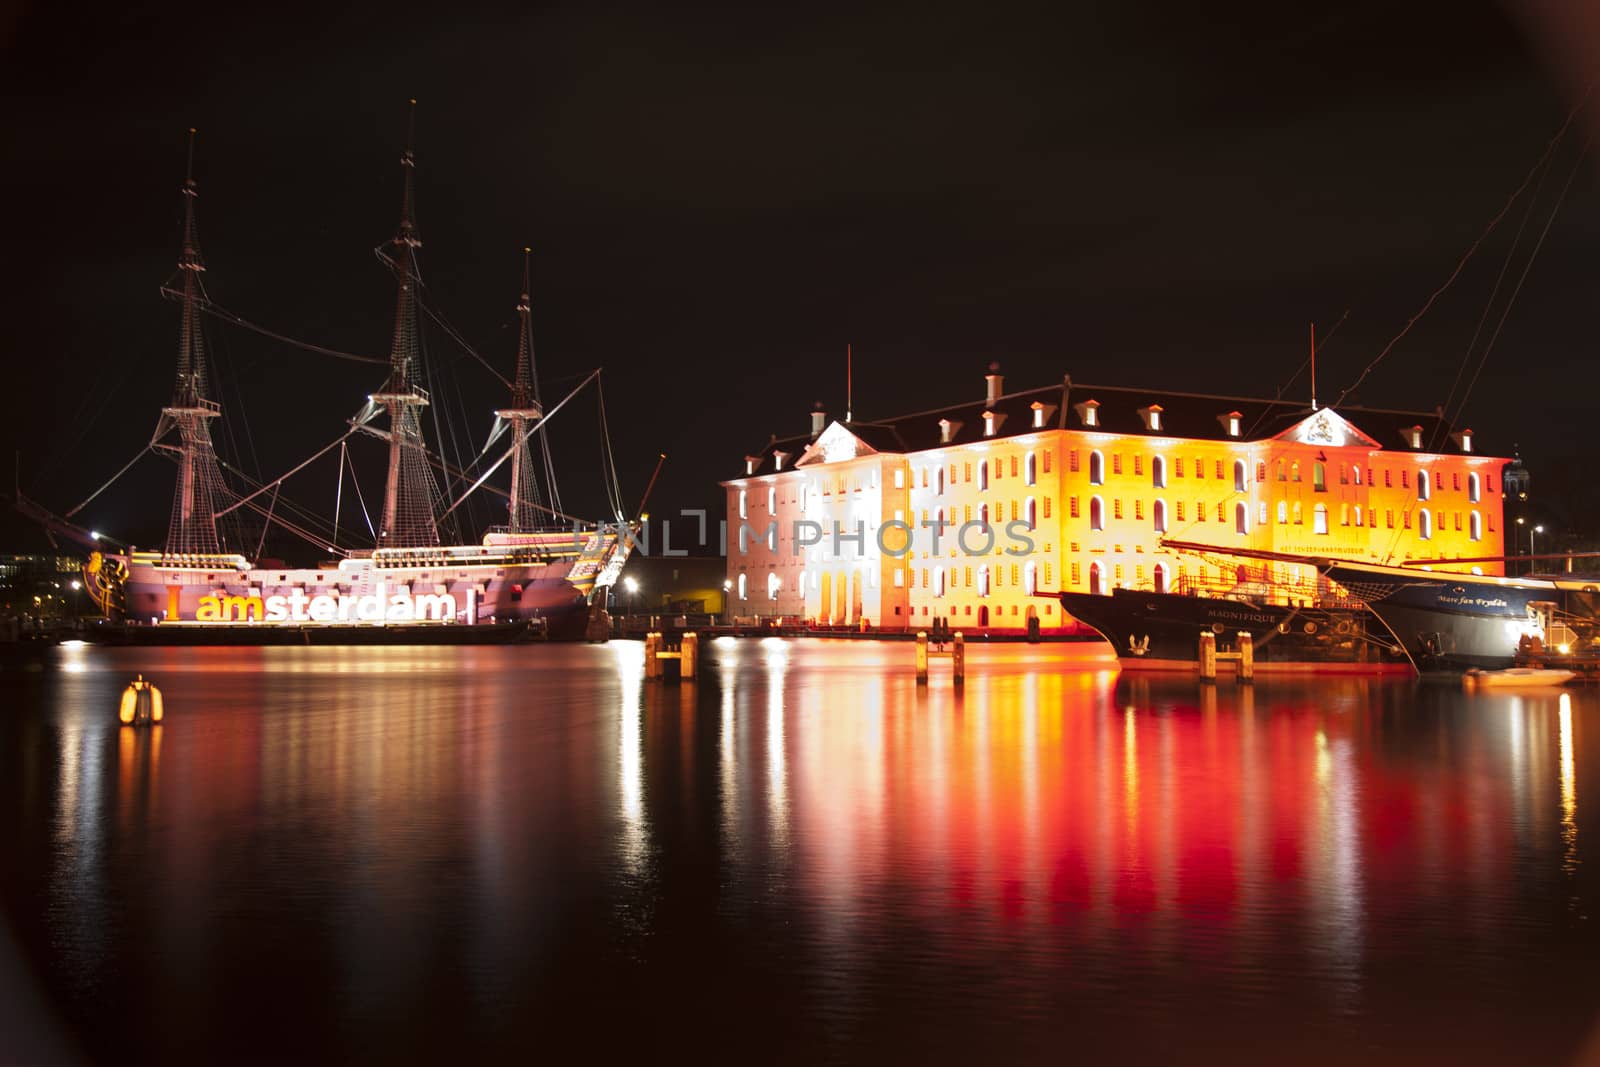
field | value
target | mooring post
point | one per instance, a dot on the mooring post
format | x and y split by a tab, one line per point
922	657
652	664
691	653
1247	657
1208	656
958	657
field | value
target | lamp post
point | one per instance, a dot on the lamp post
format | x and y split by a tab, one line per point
1531	552
1516	535
76	585
632	586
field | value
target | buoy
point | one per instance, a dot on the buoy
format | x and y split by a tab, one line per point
141	704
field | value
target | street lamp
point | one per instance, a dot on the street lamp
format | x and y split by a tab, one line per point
1531	552
632	586
1516	536
76	585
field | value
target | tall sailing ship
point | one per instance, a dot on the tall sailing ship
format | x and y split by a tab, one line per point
541	572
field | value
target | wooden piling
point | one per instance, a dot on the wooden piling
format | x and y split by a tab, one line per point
652	663
958	658
922	657
1247	657
1208	656
689	655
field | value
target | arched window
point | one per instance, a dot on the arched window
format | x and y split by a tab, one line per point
1097	513
1280	470
744	582
938	581
1283	512
983	580
744	505
1299	516
1096	579
1319	519
983	514
774	583
1030	469
1358	515
1241	518
1030	578
1355	473
1319	477
1475	525
939	481
1097	468
1294	471
1158	514
1425	524
1030	512
1161	577
1474	488
1344	514
1239	476
1158	472
772	500
983	475
1424	485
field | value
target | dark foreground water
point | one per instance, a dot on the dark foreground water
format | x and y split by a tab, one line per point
463	854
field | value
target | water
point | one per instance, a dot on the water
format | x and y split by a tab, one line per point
398	853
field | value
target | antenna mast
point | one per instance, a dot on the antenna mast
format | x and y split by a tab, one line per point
1313	366
200	490
409	492
849	385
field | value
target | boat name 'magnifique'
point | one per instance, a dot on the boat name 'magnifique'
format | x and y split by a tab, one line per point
297	606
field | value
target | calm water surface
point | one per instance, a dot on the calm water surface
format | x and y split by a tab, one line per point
416	854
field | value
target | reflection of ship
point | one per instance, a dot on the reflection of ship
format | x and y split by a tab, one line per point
539	571
1291	629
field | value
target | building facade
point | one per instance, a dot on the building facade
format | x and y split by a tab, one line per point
976	513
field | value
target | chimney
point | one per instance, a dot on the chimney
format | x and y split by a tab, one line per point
819	419
996	384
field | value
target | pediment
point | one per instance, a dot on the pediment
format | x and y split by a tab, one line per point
834	445
1329	429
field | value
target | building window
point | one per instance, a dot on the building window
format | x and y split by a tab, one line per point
1097	468
744	505
1261	471
1047	462
1096	579
774	583
1030	511
938	581
1138	508
1319	477
899	578
1283	512
1013	466
983	514
1138	465
1294	471
983	580
1424	485
1160	576
1355	474
988	424
983	475
1030	468
1116	508
1240	476
1233	426
1474	487
772	500
1158	472
1358	515
1097	513
899	479
939	481
1030	578
1475	525
744	593
1299	517
1241	518
1425	524
1038	416
1280	470
1319	519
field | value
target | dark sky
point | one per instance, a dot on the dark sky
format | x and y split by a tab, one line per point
719	200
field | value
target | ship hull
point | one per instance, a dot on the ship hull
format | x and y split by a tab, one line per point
1161	632
1454	622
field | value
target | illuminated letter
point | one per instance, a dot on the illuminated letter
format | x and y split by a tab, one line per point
242	608
210	609
297	605
400	608
277	608
323	609
439	608
370	608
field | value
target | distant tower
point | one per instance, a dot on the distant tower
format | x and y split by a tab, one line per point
524	506
200	490
410	493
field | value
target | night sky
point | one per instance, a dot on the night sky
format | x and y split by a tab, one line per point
719	201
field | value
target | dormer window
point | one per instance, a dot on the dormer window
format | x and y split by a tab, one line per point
1464	439
1232	423
946	431
988	424
777	460
750	464
1412	436
1089	412
1038	415
1151	416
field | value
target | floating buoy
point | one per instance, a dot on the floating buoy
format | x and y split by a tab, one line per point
141	704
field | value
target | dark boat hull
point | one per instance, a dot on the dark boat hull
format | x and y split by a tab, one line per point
1161	632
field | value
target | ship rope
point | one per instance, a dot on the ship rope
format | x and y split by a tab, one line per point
111	481
613	484
217	311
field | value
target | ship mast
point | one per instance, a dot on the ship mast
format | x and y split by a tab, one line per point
193	526
524	505
409	493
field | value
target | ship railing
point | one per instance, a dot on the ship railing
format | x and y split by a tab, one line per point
1319	593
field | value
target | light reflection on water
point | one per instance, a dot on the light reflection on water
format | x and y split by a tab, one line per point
406	852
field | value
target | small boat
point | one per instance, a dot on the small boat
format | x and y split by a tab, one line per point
1516	676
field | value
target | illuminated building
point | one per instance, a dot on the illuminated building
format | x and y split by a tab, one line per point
1095	477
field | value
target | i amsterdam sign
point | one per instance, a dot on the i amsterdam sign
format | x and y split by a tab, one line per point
377	608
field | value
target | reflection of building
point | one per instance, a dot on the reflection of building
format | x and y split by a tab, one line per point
40	586
673	585
1073	487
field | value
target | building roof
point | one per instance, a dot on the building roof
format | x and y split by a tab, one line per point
1118	410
